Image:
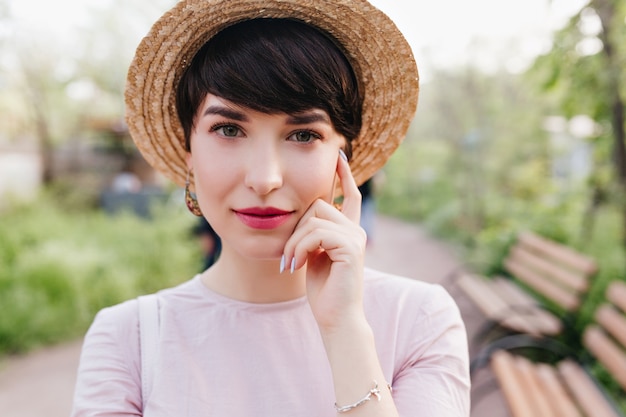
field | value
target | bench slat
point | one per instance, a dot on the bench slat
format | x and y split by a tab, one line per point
573	280
565	299
513	390
513	293
607	352
584	390
553	271
561	401
538	391
492	306
542	320
563	254
539	402
616	294
613	322
566	389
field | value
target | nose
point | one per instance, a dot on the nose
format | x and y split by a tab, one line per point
264	169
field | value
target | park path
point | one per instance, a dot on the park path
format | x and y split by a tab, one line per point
41	383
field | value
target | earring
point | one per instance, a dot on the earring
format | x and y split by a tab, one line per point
190	200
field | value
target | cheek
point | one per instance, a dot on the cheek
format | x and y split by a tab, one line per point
211	173
315	177
211	168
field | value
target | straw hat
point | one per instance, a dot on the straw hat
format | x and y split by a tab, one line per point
378	52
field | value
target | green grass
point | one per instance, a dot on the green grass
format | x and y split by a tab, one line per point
59	266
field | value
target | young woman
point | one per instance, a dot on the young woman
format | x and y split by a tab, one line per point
271	110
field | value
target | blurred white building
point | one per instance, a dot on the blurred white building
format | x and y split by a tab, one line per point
20	174
572	157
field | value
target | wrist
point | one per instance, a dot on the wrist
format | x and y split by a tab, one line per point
351	341
351	328
357	375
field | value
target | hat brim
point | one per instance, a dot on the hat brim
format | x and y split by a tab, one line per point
378	52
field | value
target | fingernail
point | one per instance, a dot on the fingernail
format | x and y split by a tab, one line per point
282	263
293	264
342	154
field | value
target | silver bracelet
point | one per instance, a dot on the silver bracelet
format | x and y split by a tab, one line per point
374	391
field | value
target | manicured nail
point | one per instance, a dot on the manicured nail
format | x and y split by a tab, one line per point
293	264
342	154
282	263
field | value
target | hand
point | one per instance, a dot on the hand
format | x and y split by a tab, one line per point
332	244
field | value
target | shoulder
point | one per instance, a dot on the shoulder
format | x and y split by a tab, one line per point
381	286
421	337
411	308
418	324
112	341
122	320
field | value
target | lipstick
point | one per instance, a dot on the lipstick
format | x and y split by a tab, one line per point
264	218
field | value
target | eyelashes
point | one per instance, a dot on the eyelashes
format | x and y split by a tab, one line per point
232	130
305	136
228	130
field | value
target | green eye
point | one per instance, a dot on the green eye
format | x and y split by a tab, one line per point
230	131
304	136
227	130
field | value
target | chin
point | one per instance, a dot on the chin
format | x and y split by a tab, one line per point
263	249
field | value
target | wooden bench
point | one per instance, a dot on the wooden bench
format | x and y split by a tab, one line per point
566	388
550	270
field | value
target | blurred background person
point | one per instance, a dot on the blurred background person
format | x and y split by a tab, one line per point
368	208
210	242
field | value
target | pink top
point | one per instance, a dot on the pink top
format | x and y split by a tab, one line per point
227	358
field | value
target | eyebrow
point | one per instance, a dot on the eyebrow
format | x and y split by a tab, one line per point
306	118
292	119
226	112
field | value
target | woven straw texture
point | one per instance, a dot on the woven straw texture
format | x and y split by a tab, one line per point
379	54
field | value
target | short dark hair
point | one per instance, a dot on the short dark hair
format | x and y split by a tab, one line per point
273	66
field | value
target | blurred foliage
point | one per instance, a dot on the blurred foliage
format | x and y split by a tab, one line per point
584	73
421	184
478	165
61	263
59	83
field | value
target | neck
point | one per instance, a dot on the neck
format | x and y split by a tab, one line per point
253	280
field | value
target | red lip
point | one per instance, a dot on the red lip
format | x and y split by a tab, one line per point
264	218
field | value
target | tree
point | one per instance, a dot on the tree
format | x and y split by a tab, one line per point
477	142
611	37
48	79
591	81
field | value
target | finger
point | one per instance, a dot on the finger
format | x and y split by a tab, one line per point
351	206
331	242
323	210
312	225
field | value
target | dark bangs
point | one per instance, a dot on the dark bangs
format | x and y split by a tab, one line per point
273	66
